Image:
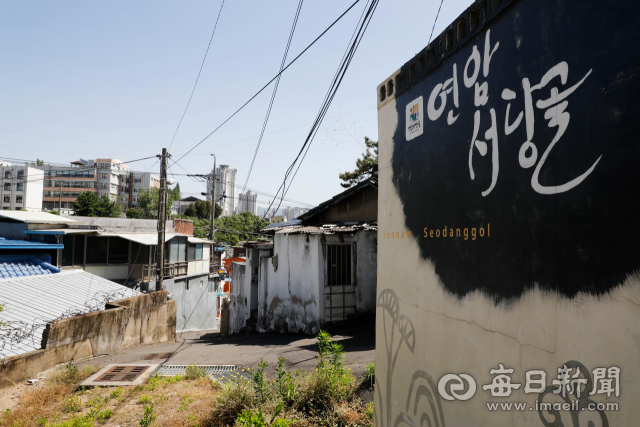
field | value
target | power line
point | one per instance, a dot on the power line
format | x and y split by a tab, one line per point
270	81
435	20
197	78
273	95
354	42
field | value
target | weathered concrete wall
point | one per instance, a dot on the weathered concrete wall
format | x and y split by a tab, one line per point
239	303
124	225
435	339
143	319
111	272
293	292
196	306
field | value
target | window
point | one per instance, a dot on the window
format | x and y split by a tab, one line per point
20	174
7	174
194	251
103	176
7	198
118	251
7	186
338	265
18	199
97	250
6	208
20	186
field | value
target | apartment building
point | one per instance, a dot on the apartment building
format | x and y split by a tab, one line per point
102	176
132	184
20	187
248	202
293	213
225	189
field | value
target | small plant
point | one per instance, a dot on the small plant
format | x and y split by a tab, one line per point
74	404
145	399
251	419
104	415
195	372
368	413
116	393
370	372
185	401
259	384
148	416
285	384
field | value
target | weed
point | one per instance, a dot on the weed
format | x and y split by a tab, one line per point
195	372
259	384
158	380
148	416
116	393
232	400
74	404
368	413
285	384
370	373
70	374
252	419
185	401
145	399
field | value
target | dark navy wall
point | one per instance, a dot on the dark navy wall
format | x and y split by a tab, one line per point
564	214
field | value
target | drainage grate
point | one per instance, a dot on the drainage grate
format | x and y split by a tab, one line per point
158	356
123	373
172	370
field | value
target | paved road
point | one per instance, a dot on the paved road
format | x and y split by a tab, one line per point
209	348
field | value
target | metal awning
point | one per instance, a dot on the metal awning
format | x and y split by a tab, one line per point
148	239
59	231
26	244
192	239
35	217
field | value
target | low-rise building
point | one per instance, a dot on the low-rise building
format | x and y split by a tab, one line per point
321	268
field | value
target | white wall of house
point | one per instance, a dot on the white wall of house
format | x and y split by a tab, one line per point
111	272
200	266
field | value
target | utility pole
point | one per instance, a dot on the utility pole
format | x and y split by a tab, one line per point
213	199
60	200
162	210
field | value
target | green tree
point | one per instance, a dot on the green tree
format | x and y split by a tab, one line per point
365	165
175	193
148	201
239	227
135	213
88	204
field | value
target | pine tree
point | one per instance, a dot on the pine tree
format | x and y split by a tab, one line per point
365	165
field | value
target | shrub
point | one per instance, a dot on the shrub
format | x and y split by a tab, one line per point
370	373
148	416
252	419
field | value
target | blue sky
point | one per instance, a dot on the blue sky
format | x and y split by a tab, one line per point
112	78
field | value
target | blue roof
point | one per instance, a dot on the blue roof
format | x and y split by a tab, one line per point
26	265
26	244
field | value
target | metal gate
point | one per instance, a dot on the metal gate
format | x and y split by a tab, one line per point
339	293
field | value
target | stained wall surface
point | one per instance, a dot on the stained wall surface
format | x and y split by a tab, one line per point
522	132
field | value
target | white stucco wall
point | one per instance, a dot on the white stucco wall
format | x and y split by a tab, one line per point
239	297
291	295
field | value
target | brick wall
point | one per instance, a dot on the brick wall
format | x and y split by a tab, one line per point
183	226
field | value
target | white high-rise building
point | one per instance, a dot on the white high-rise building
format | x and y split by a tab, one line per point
248	202
292	213
225	189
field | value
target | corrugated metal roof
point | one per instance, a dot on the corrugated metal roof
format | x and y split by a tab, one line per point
149	239
36	217
343	227
192	239
26	244
283	224
26	265
31	302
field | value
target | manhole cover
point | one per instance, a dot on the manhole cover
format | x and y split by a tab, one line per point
152	356
172	370
122	373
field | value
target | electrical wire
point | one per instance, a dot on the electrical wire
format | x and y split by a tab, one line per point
275	90
270	81
354	42
435	20
197	78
